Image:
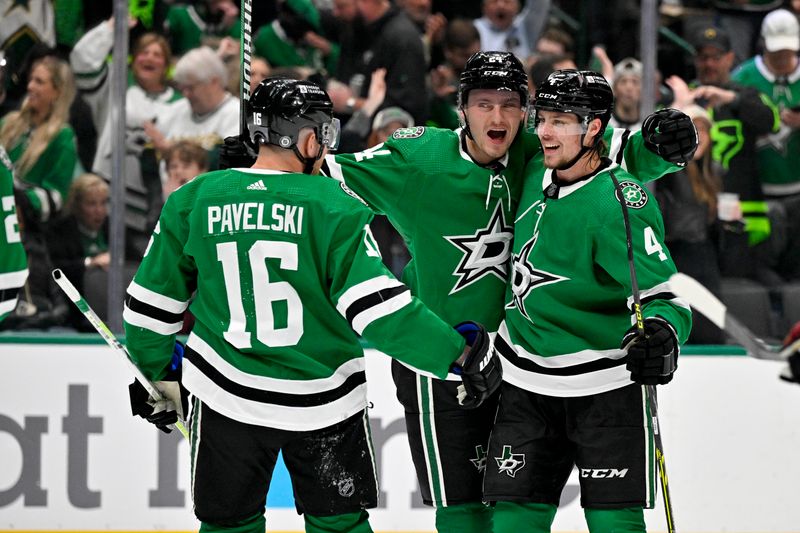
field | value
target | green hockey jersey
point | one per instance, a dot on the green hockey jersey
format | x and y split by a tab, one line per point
570	301
279	270
13	262
777	152
457	216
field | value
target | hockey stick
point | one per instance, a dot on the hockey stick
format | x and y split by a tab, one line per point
73	294
245	49
650	390
702	300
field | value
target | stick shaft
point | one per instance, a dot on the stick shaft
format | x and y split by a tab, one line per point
245	50
101	328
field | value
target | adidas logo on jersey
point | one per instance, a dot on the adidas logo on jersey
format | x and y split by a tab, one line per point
257	186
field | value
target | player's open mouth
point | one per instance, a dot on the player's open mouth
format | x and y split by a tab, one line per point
497	135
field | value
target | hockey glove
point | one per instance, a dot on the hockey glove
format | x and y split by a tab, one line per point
175	402
653	358
670	134
480	372
237	152
792	371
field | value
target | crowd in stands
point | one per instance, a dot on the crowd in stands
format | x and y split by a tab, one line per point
732	215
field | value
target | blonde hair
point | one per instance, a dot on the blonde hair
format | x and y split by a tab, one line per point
78	189
18	123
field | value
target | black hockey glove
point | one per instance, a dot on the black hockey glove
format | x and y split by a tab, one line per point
670	134
792	371
237	152
480	373
175	404
652	359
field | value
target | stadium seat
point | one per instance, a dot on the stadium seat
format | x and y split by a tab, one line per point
749	302
791	303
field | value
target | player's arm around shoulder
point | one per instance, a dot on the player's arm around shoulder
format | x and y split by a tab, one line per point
652	259
160	292
379	307
384	173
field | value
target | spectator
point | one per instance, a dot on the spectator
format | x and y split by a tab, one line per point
556	41
78	240
207	114
39	141
776	74
184	160
146	99
295	39
627	85
740	116
688	201
431	26
503	27
543	65
461	41
202	23
392	42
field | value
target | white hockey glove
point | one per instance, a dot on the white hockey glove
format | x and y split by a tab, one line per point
175	403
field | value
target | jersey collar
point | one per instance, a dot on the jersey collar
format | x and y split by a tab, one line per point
554	190
464	155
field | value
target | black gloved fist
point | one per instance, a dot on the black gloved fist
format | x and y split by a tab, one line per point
652	359
670	134
175	402
480	373
237	152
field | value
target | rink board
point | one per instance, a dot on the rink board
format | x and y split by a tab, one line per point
72	458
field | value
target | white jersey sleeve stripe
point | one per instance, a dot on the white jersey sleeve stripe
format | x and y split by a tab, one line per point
369	315
363	289
143	321
156	300
13	280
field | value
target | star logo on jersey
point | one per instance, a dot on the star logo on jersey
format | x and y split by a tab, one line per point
510	463
634	194
485	253
480	458
527	277
24	4
778	141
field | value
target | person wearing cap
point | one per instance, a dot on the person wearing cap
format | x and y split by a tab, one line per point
628	94
741	19
776	74
741	115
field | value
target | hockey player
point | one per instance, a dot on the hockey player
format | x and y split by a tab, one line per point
573	366
279	264
453	196
13	262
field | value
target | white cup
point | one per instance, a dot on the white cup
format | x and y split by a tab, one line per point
728	206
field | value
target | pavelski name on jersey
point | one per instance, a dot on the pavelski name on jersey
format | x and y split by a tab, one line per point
254	216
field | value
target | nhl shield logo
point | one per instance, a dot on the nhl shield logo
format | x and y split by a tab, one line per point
408	133
634	194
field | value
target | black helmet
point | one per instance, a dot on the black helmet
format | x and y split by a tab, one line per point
583	92
493	70
280	107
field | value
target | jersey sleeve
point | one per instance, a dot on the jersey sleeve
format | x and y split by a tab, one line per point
379	175
381	308
654	266
160	293
627	149
13	262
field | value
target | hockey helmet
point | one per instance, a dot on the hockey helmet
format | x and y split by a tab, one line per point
582	92
501	71
280	107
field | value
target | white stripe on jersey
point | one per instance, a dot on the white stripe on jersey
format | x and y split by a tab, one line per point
7	306
155	299
272	415
143	321
334	168
13	280
616	146
563	386
366	288
291	386
661	288
560	361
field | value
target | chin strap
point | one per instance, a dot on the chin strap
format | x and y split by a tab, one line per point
308	162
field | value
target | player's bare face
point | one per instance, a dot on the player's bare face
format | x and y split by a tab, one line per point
560	135
494	118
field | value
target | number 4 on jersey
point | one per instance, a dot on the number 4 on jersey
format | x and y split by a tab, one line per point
651	244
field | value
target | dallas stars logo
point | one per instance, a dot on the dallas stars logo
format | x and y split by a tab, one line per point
480	458
527	277
510	463
633	194
485	253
